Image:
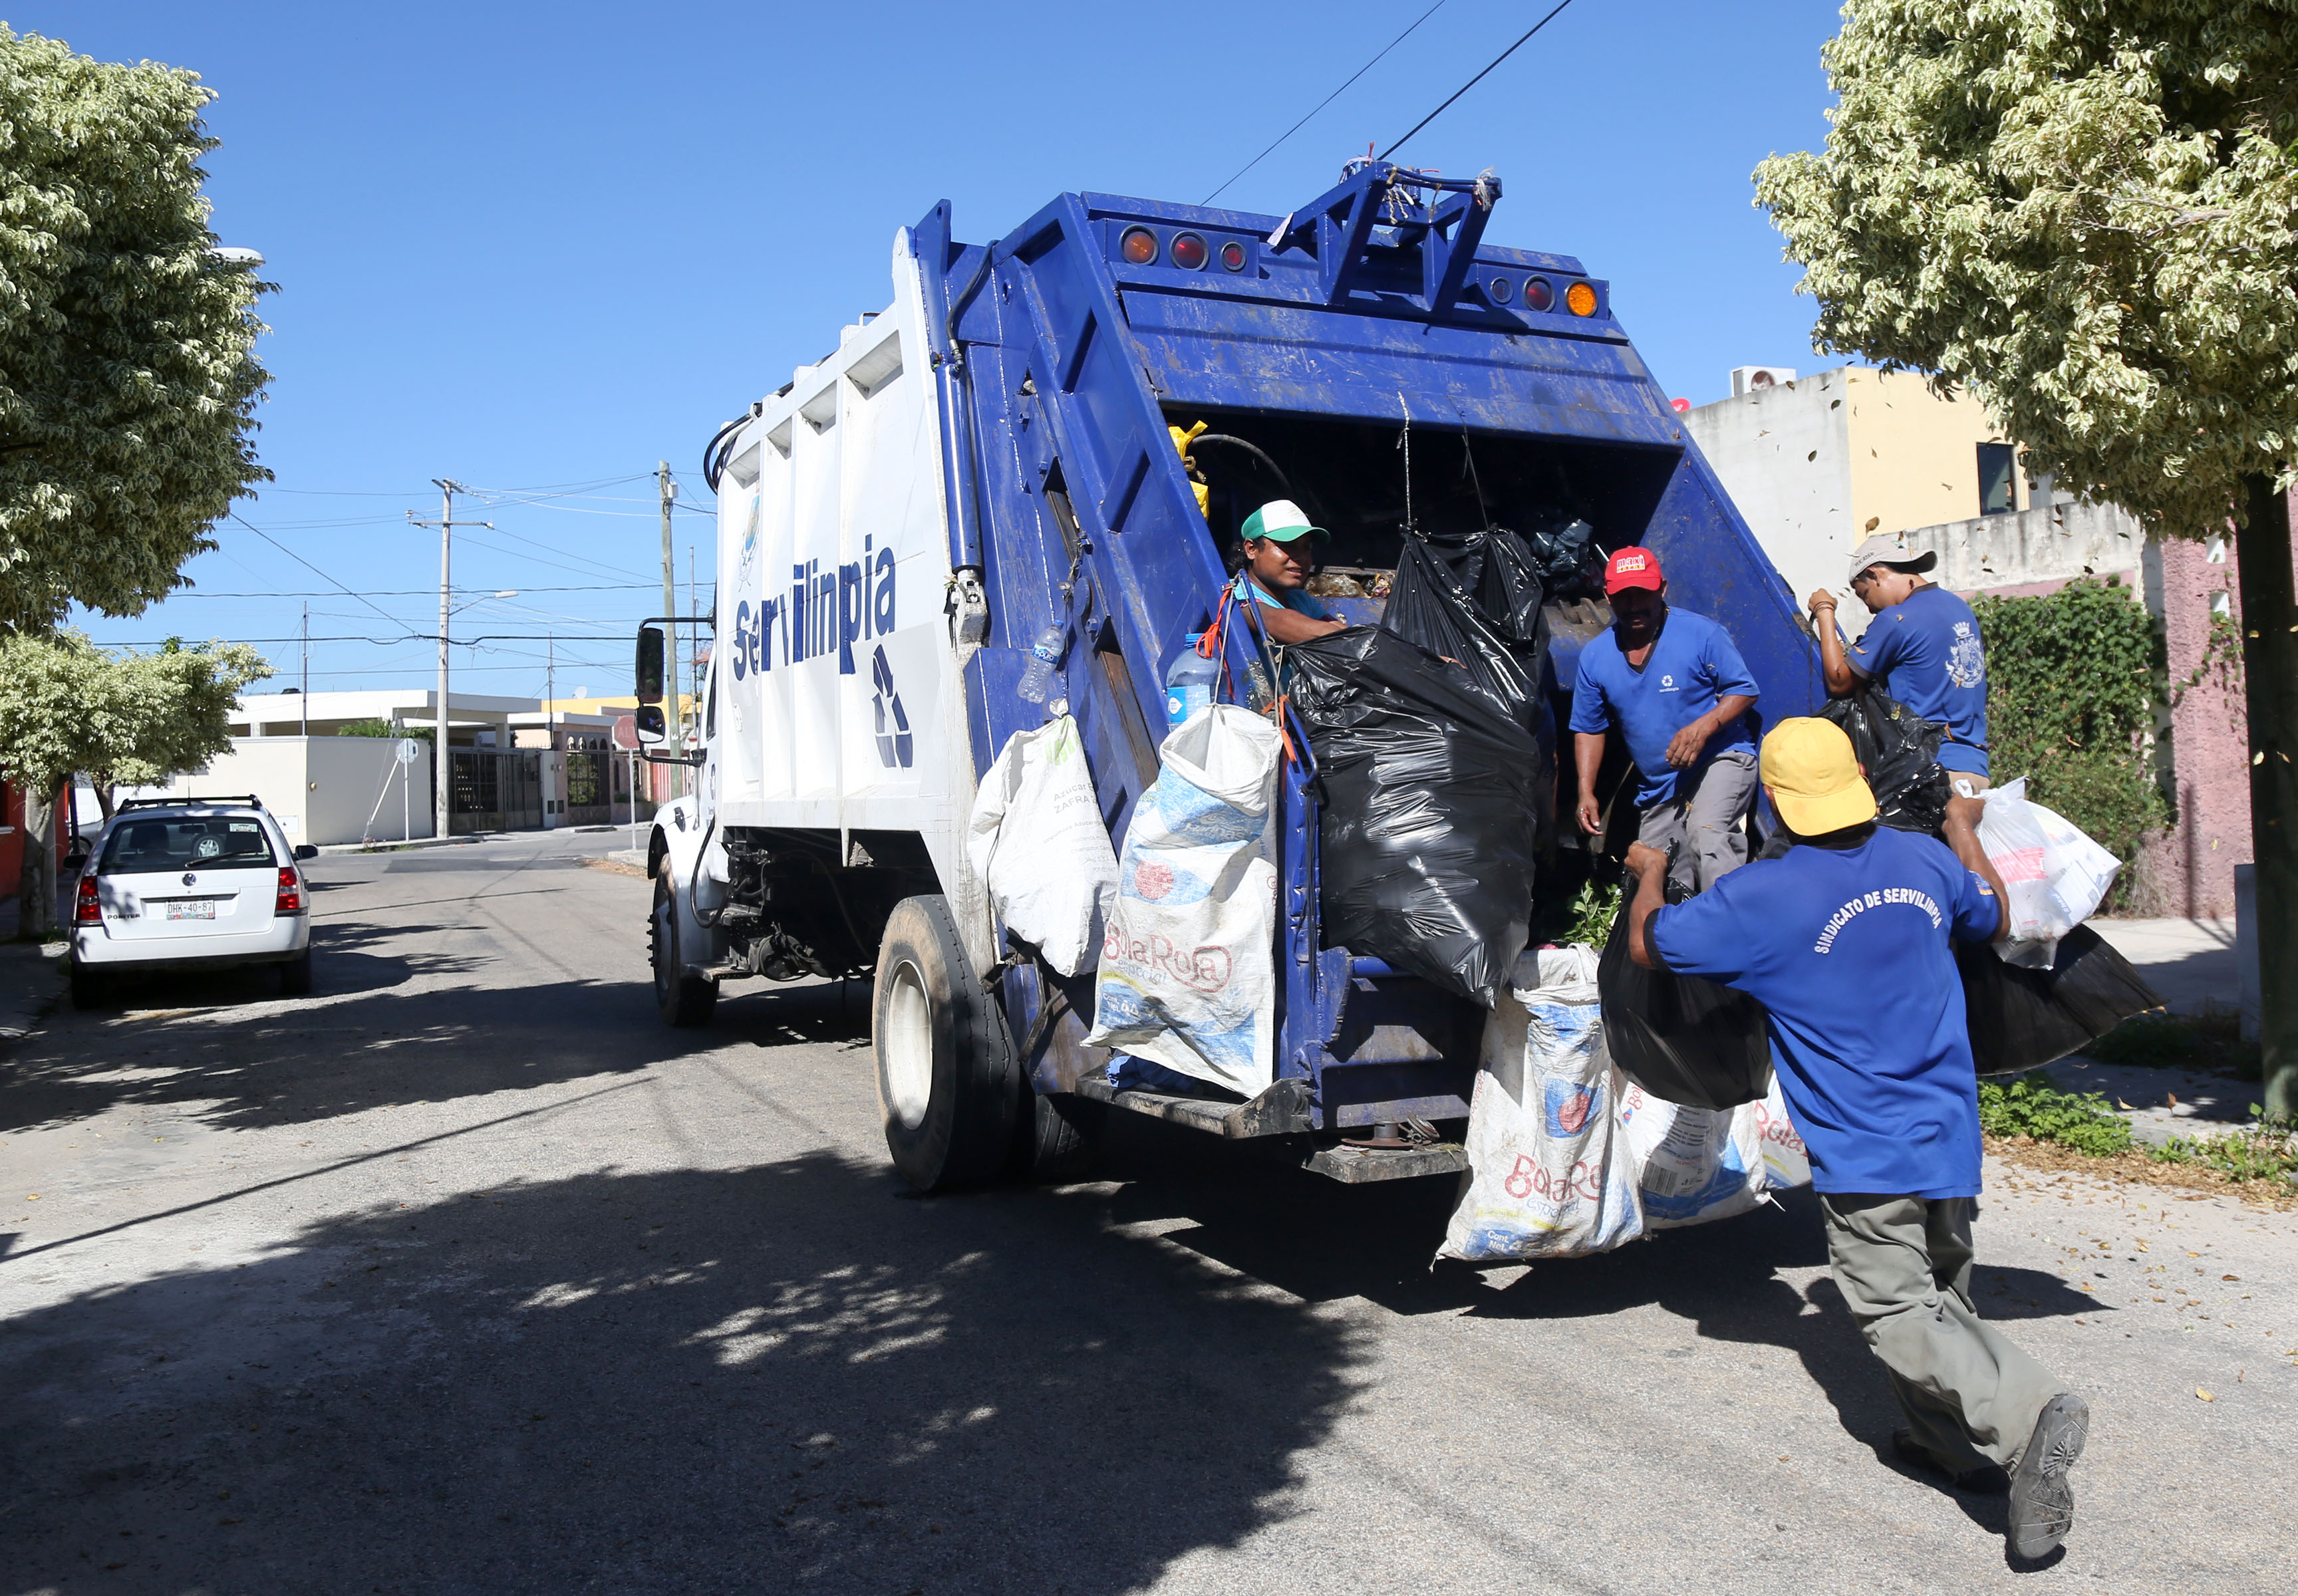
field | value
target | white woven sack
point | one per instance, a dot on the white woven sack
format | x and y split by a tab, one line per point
1690	1165
1188	975
1036	843
1547	1176
1786	1161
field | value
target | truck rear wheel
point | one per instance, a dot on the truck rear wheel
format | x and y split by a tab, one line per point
1055	1138
947	1084
683	999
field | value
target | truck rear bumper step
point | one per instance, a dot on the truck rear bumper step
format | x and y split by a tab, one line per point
1282	1110
1354	1165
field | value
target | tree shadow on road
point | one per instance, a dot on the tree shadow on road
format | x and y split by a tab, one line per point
761	1379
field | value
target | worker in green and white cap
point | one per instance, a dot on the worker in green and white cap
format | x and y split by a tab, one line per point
1279	559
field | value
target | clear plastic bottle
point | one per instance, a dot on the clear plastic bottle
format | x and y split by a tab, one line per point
1189	683
1045	655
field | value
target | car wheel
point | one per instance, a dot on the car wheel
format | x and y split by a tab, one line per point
90	990
296	975
684	1000
947	1080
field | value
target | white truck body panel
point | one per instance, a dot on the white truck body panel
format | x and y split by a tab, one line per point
837	699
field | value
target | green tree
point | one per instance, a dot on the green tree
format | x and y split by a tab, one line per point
2086	212
128	371
67	705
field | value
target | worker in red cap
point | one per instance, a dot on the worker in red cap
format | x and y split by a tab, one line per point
1676	688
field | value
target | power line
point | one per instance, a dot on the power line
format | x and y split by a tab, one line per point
1472	82
1320	105
399	592
315	570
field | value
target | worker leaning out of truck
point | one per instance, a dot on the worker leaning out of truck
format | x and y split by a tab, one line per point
1677	689
1923	642
1279	559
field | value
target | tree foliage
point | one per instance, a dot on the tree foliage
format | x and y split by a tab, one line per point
69	707
128	371
2080	209
2070	686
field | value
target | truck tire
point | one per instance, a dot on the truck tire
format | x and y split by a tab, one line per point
947	1083
1055	1138
684	1000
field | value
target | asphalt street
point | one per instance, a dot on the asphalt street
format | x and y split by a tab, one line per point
466	1275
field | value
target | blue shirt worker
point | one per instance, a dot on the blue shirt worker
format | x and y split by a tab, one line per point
1676	688
1923	644
1278	562
1845	941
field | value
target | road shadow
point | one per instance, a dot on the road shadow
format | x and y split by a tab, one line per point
774	1378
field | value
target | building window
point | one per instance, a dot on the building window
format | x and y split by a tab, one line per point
1997	462
2215	551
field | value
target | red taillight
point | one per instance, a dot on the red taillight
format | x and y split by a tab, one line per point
1539	294
1233	255
289	900
1189	252
89	909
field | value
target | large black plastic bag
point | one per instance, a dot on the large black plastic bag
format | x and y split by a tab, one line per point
2024	1019
1434	751
1682	1039
1900	751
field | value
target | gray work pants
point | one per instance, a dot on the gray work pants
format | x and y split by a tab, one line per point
1904	1266
1701	822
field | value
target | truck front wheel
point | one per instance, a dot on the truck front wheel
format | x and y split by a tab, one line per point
947	1083
683	999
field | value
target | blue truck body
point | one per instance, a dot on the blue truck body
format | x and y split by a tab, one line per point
1059	365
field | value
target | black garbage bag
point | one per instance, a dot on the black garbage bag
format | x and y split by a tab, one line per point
1434	748
1570	565
1900	751
2021	1020
1682	1039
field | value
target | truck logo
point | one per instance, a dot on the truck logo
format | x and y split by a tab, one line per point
893	747
823	612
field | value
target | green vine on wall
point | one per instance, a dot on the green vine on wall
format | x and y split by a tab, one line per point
2221	659
2071	701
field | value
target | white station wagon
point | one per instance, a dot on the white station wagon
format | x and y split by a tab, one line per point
174	883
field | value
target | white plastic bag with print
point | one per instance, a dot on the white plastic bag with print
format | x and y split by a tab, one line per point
1690	1165
1786	1161
1187	977
2053	876
1547	1175
1037	844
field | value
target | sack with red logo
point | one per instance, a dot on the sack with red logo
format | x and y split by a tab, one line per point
1548	1176
1188	972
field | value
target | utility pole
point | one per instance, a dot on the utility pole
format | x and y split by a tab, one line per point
693	645
670	605
440	762
304	698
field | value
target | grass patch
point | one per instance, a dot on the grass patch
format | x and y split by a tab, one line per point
2263	1150
2210	1042
2030	1105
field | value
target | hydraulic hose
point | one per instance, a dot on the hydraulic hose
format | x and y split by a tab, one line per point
714	456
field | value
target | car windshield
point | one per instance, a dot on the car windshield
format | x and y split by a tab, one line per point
208	842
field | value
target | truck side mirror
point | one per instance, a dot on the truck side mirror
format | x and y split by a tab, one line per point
649	672
647	719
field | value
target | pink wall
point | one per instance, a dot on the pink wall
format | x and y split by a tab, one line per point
2189	872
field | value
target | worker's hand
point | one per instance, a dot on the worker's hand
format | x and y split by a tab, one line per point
1645	860
1823	603
1683	747
1591	817
1965	812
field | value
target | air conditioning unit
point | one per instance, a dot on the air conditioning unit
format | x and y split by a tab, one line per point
1754	379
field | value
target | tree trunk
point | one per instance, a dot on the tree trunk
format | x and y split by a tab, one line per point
2270	668
36	902
102	785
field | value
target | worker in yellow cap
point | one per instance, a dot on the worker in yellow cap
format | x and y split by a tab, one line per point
1846	942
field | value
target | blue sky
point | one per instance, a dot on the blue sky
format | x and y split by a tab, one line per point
542	247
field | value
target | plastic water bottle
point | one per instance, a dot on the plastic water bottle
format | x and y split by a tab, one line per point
1189	683
1045	653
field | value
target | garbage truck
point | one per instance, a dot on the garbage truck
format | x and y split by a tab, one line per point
1011	452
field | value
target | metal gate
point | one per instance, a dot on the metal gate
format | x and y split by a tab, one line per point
587	800
494	792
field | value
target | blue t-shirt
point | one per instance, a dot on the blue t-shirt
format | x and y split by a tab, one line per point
1689	670
1848	951
1928	650
1296	599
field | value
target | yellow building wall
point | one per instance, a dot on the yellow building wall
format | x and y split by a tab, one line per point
1915	455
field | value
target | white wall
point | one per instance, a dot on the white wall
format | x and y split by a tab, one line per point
2053	544
1783	455
321	789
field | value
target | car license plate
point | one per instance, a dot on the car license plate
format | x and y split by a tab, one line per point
195	908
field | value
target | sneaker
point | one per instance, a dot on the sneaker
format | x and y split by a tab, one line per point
1988	1479
2042	1501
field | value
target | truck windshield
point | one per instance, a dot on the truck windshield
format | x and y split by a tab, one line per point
209	842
